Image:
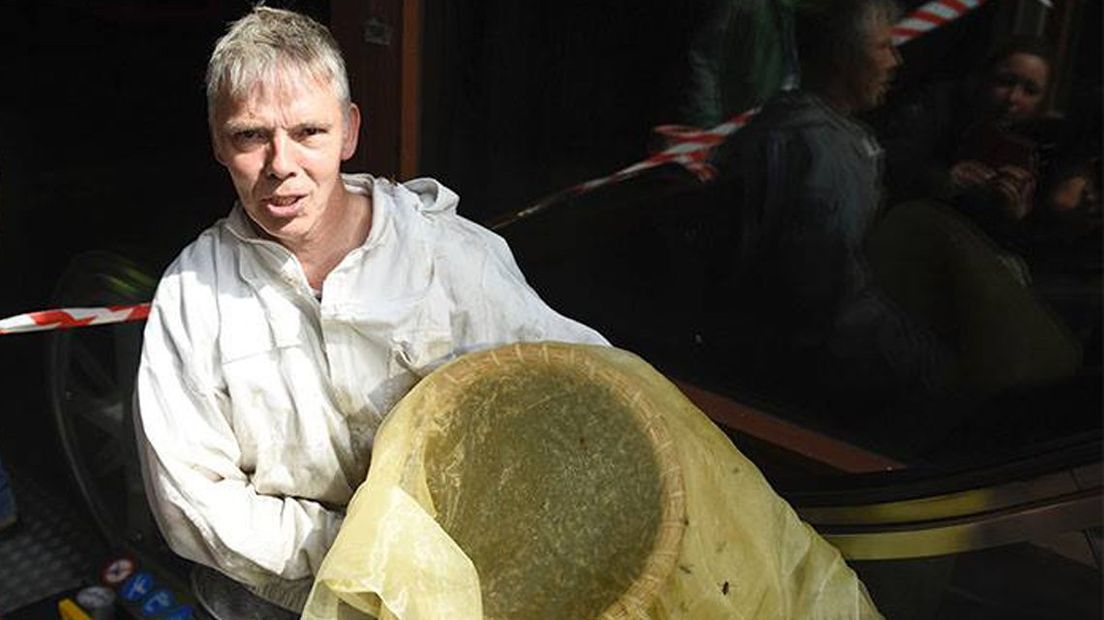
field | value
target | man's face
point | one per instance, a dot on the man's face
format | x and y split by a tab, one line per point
870	79
1016	87
283	145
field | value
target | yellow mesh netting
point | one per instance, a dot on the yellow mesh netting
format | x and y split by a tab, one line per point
559	481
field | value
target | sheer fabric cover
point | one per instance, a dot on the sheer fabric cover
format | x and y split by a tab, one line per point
548	480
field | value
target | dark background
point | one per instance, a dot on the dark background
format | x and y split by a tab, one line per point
104	145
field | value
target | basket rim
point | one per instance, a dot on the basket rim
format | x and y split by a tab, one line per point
577	359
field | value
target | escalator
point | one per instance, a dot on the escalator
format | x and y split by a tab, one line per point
1010	499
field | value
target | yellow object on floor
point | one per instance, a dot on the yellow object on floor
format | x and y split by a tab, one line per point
68	610
548	480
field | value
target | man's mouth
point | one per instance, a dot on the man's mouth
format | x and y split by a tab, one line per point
283	205
283	201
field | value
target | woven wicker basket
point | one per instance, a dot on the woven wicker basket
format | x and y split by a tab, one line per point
569	482
556	476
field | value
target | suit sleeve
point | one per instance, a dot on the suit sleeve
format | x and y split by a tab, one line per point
203	501
495	305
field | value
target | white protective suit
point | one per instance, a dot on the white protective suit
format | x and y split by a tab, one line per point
257	404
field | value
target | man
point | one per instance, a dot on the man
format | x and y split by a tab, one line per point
279	339
807	180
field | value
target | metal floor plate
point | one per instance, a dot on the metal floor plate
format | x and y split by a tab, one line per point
53	548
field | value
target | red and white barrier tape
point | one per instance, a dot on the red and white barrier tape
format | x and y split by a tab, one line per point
67	318
931	16
689	147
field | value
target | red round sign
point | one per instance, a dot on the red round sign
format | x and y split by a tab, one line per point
117	571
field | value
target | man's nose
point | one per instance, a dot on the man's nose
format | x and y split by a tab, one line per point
280	164
898	60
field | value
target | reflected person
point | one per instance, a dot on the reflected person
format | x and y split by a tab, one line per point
805	176
740	54
975	141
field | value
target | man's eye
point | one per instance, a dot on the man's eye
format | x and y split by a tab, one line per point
307	132
248	136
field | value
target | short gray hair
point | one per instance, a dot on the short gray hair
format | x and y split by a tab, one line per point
269	40
830	34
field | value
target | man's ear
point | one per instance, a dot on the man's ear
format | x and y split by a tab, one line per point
352	132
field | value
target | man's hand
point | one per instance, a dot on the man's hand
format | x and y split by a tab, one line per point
971	173
1016	188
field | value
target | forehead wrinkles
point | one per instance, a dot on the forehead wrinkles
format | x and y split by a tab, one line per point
279	81
290	92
